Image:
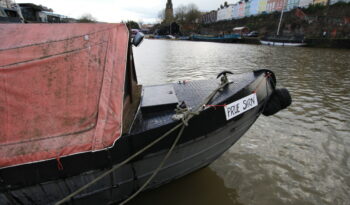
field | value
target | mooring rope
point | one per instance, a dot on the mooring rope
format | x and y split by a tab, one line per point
186	117
158	168
67	198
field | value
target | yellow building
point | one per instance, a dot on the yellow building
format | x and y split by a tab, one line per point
262	6
323	2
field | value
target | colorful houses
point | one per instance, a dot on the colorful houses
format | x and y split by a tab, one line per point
323	2
270	5
262	6
235	9
254	7
221	15
225	13
305	3
292	4
229	11
275	5
209	17
245	8
241	9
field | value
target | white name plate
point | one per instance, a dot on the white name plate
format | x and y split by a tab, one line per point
240	106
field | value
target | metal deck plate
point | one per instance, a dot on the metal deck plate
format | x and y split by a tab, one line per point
193	94
159	96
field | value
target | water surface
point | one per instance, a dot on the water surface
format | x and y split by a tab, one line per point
299	156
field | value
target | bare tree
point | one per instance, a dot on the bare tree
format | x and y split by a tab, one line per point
161	15
185	15
193	14
180	14
87	18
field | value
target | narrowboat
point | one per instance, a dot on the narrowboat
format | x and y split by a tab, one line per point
225	38
77	128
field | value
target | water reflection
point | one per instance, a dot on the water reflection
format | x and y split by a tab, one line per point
200	187
299	156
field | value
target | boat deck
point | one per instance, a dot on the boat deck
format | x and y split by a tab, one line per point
193	94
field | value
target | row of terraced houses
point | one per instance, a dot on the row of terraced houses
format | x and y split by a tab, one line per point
245	8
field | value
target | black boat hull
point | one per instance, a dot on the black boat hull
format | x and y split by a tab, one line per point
199	153
204	140
232	40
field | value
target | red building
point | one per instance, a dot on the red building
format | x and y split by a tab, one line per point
241	9
275	5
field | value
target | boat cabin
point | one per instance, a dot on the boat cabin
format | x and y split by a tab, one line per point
241	30
33	13
9	16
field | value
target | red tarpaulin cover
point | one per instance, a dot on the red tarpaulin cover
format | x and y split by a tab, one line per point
61	89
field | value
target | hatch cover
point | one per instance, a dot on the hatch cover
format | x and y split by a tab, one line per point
158	97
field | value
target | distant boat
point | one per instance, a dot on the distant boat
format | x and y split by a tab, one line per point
228	38
164	37
184	38
283	41
170	37
280	40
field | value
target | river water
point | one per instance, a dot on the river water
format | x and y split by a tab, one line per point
299	156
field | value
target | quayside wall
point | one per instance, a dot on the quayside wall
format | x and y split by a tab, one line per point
323	26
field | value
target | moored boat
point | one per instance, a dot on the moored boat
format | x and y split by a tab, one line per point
226	38
184	37
8	15
73	116
283	41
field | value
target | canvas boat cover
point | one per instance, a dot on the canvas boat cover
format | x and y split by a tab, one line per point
61	89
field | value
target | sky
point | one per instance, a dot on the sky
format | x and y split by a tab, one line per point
114	11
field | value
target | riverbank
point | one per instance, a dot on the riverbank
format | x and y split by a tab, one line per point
311	42
328	43
322	26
